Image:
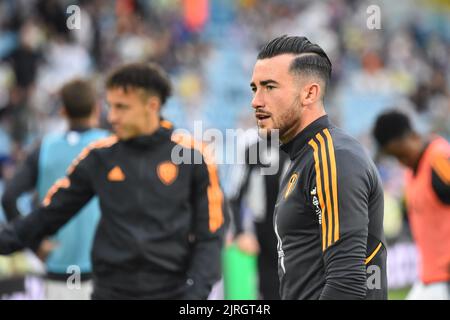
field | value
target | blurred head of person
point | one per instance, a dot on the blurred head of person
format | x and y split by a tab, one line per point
396	137
79	103
289	82
135	94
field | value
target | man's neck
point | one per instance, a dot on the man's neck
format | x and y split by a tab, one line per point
151	129
423	145
153	124
76	124
305	120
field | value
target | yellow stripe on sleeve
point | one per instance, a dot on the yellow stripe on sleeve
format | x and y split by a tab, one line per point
334	184
313	144
326	182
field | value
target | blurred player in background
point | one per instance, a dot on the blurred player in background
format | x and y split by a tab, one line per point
71	246
253	206
329	212
161	225
427	159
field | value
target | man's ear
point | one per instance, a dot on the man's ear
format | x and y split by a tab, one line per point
416	136
311	93
154	103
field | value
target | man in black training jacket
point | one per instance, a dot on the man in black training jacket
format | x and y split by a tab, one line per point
160	232
329	213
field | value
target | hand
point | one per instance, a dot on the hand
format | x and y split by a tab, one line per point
45	248
248	243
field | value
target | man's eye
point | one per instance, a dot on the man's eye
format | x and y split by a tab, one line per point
268	88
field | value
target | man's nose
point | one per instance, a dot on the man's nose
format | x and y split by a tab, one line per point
257	101
112	116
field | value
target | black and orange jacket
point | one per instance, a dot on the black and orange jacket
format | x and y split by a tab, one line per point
329	219
160	233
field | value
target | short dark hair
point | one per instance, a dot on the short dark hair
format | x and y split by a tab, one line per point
146	76
78	98
311	60
391	125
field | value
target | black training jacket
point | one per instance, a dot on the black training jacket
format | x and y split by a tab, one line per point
329	219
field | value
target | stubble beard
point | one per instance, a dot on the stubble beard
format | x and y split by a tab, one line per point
288	120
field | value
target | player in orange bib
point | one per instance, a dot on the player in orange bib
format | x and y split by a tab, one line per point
427	198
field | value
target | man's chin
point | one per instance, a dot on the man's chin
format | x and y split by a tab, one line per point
121	136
